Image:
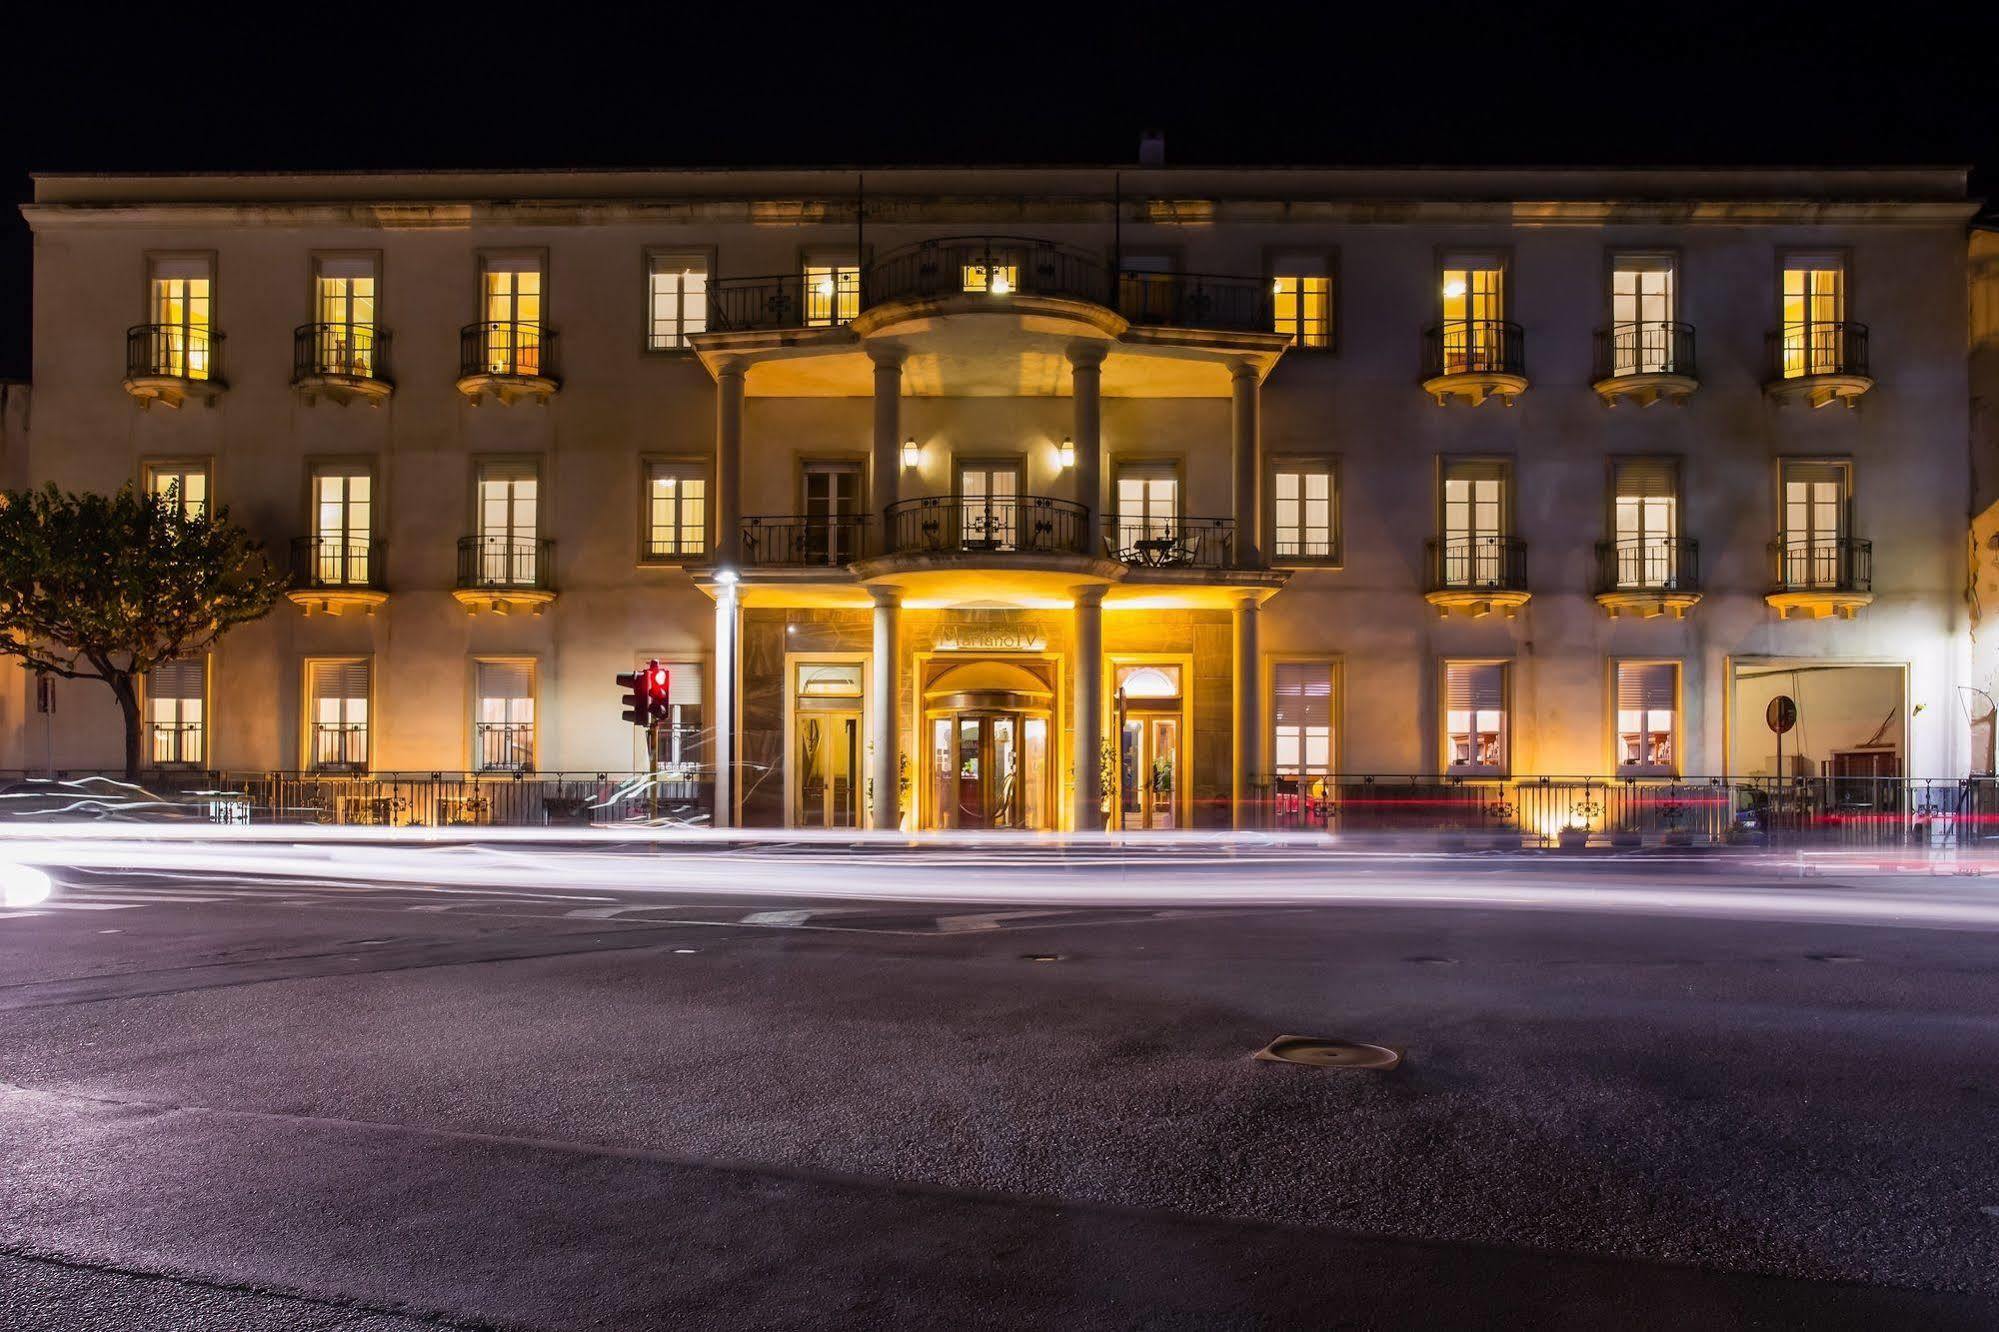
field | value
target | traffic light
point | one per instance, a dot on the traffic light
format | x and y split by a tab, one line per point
656	680
636	706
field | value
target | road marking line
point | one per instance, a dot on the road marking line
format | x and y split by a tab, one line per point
777	918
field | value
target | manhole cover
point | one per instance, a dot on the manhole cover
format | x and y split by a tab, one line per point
1322	1052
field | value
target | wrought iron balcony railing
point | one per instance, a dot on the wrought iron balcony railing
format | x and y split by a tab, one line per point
1474	347
1171	543
504	746
516	349
1821	564
1818	347
1015	524
1196	300
1484	563
1645	347
174	744
984	266
1648	564
342	351
339	747
804	540
333	563
502	562
171	351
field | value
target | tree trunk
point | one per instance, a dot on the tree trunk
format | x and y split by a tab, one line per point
128	703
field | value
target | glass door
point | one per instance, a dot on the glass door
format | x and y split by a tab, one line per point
1149	771
988	770
829	764
1473	306
988	500
832	512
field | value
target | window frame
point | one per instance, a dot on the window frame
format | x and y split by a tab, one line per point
1333	464
1275	261
1336	666
475	699
151	467
307	723
207	723
651	256
348	465
836	258
1509	736
1613	731
314	272
690	467
1501	257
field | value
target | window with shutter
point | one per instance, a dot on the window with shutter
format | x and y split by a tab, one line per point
503	730
677	297
1475	721
1301	712
1647	713
337	713
676	510
176	719
1646	522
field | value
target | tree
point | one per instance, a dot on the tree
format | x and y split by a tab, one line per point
107	587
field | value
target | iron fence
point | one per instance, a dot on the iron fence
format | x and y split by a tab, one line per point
495	561
1818	347
1494	563
1649	564
507	347
1171	543
1032	524
335	562
346	351
804	540
984	265
1821	564
171	351
1474	347
1196	300
1645	347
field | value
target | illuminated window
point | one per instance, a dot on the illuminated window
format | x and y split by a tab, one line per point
503	731
180	302
344	315
343	507
509	514
993	276
512	305
1148	510
175	715
1148	681
1647	711
1641	314
1814	311
1813	547
1301	300
1303	510
1474	308
1475	723
1475	548
337	714
832	292
1301	713
677	300
1646	522
676	510
184	484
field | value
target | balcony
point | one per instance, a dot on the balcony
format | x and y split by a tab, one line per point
998	267
1171	543
174	744
1645	362
1471	360
338	747
1477	575
1820	576
1012	526
342	363
804	541
172	363
504	746
1648	577
505	574
331	575
1818	363
507	361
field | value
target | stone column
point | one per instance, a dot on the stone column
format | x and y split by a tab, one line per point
1246	453
1086	375
722	726
887	479
729	376
884	768
1248	710
1087	696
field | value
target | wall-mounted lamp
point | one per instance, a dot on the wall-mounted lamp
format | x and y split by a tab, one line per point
1066	454
911	454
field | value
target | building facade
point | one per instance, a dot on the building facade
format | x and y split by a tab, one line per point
1029	498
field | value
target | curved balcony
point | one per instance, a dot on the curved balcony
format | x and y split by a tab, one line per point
335	574
341	362
505	574
1014	525
1471	360
1820	576
1171	543
508	361
1477	575
804	541
997	266
172	363
1648	577
1819	362
1196	300
1645	361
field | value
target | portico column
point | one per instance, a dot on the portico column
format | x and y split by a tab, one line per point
887	479
729	376
1246	453
1248	710
884	767
1086	375
722	726
1087	692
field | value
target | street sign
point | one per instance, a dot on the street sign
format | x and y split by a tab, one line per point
1782	714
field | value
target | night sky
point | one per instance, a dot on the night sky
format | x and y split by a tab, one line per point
1496	84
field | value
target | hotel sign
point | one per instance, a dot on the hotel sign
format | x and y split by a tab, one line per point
989	636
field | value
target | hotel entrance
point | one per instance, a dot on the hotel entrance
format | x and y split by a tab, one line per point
1150	727
827	752
988	729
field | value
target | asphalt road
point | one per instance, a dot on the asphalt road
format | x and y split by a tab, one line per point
234	1098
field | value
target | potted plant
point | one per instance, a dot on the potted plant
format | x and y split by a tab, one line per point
1572	837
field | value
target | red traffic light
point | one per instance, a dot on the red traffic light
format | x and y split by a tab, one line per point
657	679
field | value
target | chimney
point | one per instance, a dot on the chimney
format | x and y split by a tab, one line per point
1152	148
